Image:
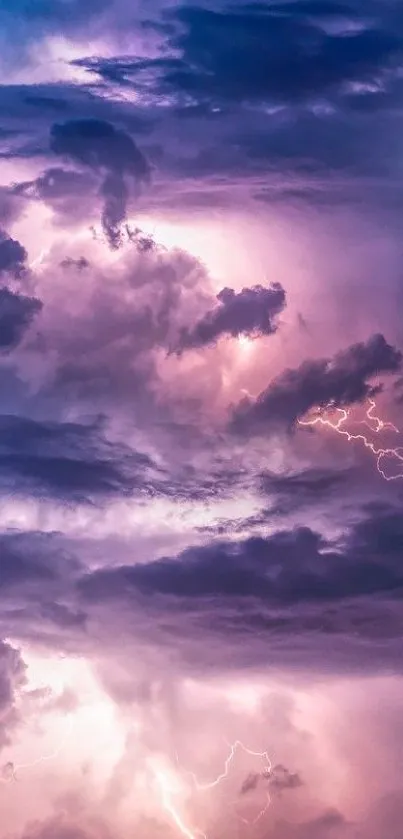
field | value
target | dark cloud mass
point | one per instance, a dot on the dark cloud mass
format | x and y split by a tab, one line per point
278	779
251	312
67	460
296	567
336	382
100	146
12	254
275	52
17	311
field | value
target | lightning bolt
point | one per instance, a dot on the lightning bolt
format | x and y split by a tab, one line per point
224	775
260	815
14	768
168	791
380	425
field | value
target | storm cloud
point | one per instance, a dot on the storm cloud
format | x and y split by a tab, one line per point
336	383
252	312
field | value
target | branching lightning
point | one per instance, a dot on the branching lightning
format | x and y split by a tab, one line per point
167	793
224	775
380	425
14	768
168	790
260	814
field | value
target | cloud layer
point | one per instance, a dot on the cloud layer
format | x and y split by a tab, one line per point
200	276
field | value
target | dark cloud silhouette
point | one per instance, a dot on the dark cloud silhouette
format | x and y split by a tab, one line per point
12	254
280	52
282	779
250	783
278	779
68	461
101	147
251	312
336	382
310	487
17	312
284	570
307	598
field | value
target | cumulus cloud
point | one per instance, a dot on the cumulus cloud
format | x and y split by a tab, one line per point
106	341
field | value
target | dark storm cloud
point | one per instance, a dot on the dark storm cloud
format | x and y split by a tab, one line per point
286	569
101	147
250	312
291	492
292	595
24	561
17	312
48	11
75	462
328	70
68	461
306	598
282	53
336	382
12	254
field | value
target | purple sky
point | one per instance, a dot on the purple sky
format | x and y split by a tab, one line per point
201	467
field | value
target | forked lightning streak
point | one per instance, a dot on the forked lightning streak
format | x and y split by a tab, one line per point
380	425
14	768
167	793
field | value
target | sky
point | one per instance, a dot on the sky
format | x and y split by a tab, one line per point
201	462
